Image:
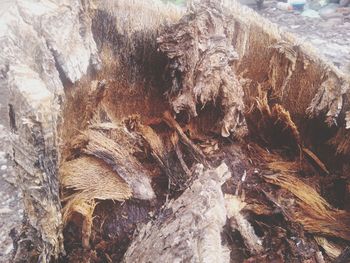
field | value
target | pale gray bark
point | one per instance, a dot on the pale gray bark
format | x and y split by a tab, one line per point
43	43
189	228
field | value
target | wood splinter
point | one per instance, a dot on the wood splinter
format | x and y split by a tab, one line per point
195	151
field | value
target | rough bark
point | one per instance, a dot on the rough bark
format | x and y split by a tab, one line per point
189	228
43	43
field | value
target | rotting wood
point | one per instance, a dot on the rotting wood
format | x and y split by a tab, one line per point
344	256
319	257
85	206
237	221
94	178
126	165
314	213
195	151
293	87
200	63
331	249
314	157
170	160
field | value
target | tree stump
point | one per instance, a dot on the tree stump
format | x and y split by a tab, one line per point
224	139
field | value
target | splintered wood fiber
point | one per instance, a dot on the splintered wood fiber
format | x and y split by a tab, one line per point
95	178
313	211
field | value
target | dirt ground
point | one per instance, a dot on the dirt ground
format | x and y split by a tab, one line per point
329	37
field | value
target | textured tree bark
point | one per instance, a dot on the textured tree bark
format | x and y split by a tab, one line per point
228	72
39	56
189	228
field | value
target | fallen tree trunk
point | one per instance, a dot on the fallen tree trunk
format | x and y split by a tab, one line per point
236	90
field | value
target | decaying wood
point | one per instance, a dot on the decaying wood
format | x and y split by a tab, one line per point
99	65
261	117
344	256
234	206
170	160
319	257
122	162
331	249
91	179
188	228
314	213
200	63
96	180
314	157
195	151
83	205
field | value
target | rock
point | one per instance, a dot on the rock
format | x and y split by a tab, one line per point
310	13
315	4
248	2
343	3
329	11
